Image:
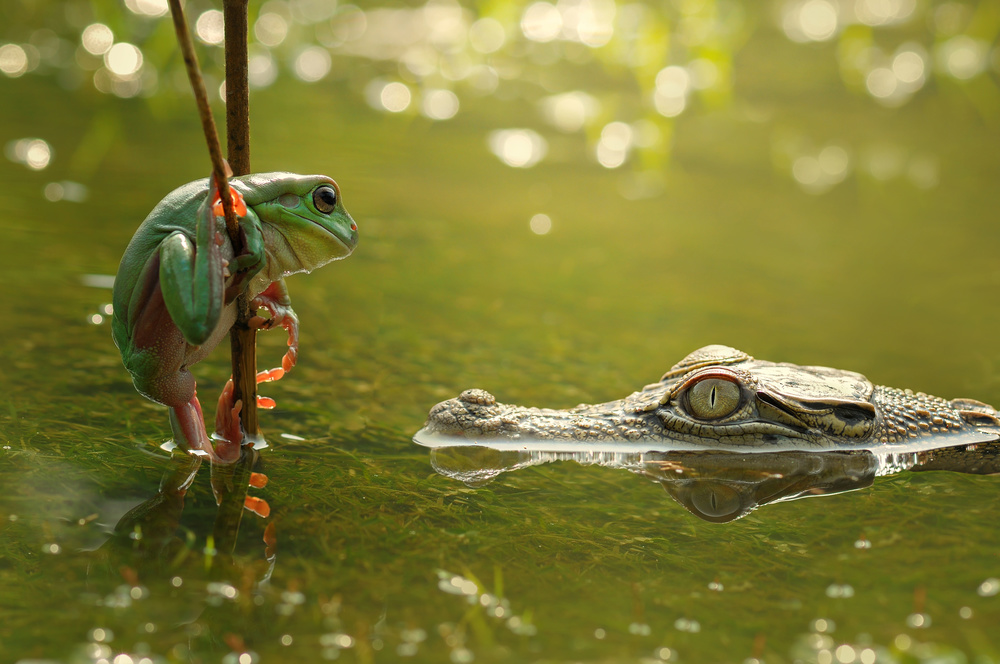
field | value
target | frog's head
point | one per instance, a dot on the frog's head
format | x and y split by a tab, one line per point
303	219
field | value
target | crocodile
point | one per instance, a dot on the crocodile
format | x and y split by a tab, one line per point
721	398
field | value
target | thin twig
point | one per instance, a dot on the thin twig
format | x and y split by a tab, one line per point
207	120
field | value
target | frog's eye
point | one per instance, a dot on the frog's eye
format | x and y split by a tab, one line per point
325	199
712	398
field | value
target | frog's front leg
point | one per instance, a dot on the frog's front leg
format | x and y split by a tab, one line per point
192	279
278	304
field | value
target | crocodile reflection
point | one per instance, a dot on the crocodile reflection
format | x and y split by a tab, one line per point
720	486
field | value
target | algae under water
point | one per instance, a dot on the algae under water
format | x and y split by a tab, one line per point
800	205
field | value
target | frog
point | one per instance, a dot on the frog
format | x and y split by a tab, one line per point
175	291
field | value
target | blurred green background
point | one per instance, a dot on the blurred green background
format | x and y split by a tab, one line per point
556	202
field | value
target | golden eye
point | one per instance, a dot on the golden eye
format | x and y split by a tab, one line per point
713	398
325	199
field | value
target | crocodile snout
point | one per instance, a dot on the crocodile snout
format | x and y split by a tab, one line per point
473	413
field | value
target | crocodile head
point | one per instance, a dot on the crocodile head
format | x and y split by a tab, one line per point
721	398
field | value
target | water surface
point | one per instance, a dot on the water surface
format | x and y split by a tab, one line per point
717	233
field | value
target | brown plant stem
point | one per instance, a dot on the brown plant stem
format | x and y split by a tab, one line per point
243	340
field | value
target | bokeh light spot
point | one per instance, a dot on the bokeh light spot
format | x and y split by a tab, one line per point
487	35
806	170
210	27
270	29
616	139
151	8
812	20
439	104
123	59
34	153
101	635
570	111
541	22
908	66
13	60
261	69
704	73
66	190
97	38
672	86
540	224
395	97
962	57
590	22
881	82
845	654
883	12
989	588
312	64
520	148
833	161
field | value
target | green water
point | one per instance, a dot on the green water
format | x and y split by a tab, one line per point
892	272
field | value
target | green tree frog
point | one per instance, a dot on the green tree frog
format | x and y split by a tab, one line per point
175	292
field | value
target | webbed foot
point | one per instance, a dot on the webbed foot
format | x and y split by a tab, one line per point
188	425
275	301
228	433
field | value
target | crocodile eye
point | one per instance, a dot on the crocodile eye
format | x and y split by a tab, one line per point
716	501
713	398
325	199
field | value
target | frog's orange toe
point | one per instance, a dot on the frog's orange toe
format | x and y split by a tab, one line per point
270	375
239	205
258	506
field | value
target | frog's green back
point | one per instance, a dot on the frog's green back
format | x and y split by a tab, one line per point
176	212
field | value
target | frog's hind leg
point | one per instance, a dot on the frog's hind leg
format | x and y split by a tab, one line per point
188	425
158	365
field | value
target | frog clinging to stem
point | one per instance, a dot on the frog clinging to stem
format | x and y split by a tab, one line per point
175	291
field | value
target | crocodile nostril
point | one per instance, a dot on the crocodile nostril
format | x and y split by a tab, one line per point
477	397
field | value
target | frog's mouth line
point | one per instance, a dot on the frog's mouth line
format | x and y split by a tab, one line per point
348	248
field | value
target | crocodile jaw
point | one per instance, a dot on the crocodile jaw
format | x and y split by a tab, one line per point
476	415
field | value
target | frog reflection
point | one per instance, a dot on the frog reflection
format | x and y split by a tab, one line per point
151	539
723	486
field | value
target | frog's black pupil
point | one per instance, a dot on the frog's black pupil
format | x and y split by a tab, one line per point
326	199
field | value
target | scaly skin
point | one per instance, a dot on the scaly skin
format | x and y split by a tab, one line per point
721	398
